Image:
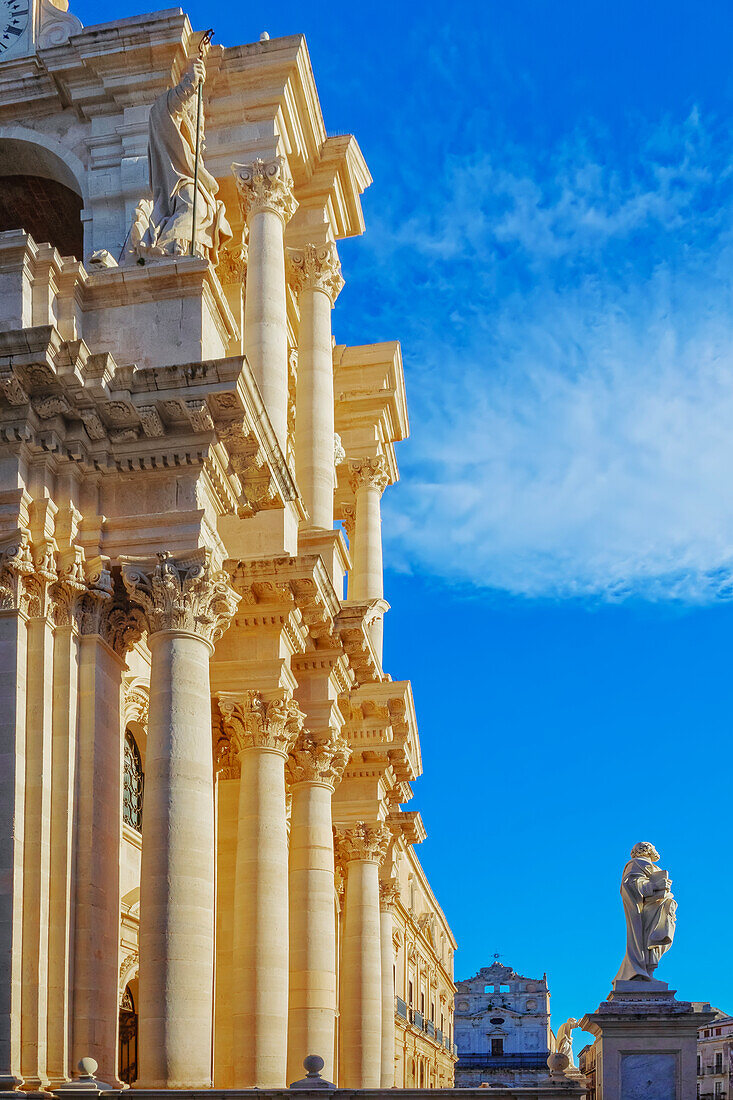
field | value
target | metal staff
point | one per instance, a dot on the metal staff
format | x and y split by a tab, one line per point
203	50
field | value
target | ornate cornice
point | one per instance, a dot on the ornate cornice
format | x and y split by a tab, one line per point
260	720
182	594
322	762
265	185
389	894
316	267
367	843
369	472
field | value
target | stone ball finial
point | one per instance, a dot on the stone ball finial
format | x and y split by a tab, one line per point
88	1067
313	1065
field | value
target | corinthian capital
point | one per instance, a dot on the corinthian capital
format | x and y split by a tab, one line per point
182	594
316	267
389	894
314	761
16	562
265	185
367	843
260	720
371	472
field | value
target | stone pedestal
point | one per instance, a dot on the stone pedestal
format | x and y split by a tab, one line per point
646	1043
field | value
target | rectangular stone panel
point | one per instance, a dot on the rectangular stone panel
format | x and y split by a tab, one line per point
649	1077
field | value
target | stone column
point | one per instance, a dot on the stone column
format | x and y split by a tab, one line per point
37	832
315	767
368	478
15	563
389	893
188	606
316	274
63	783
262	726
362	847
105	630
266	194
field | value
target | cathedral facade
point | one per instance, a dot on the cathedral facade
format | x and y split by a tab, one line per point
207	868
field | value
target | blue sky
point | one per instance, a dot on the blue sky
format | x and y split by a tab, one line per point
550	234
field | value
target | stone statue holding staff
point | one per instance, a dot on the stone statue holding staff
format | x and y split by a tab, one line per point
650	908
181	187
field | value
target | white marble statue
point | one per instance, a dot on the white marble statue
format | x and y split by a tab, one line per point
564	1039
650	910
163	226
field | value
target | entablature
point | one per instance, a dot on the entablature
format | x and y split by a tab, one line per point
60	398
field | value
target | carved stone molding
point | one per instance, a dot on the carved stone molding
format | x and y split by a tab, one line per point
348	518
16	564
313	761
260	720
232	266
364	842
182	594
265	185
226	760
316	267
389	894
369	472
137	704
129	968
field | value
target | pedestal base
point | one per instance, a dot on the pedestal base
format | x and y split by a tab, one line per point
646	1043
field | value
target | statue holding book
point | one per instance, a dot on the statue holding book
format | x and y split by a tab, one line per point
650	908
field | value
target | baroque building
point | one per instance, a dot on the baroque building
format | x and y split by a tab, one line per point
207	869
502	1028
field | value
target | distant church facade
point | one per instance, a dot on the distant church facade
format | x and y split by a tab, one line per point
502	1028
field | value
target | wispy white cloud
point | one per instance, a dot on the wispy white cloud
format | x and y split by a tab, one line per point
572	396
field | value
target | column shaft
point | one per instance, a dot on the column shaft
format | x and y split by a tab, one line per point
227	808
368	575
177	870
65	692
37	852
13	636
260	965
265	316
97	864
312	929
314	426
361	979
388	999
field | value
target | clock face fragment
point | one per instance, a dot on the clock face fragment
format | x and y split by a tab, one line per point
14	16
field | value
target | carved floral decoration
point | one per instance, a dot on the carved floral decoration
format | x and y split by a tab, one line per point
265	185
182	594
263	720
312	761
364	842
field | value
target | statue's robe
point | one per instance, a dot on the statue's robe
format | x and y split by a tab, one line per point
172	159
650	921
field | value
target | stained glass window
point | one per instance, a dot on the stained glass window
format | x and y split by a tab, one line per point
132	798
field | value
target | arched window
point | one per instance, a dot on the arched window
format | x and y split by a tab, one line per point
132	797
128	1038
